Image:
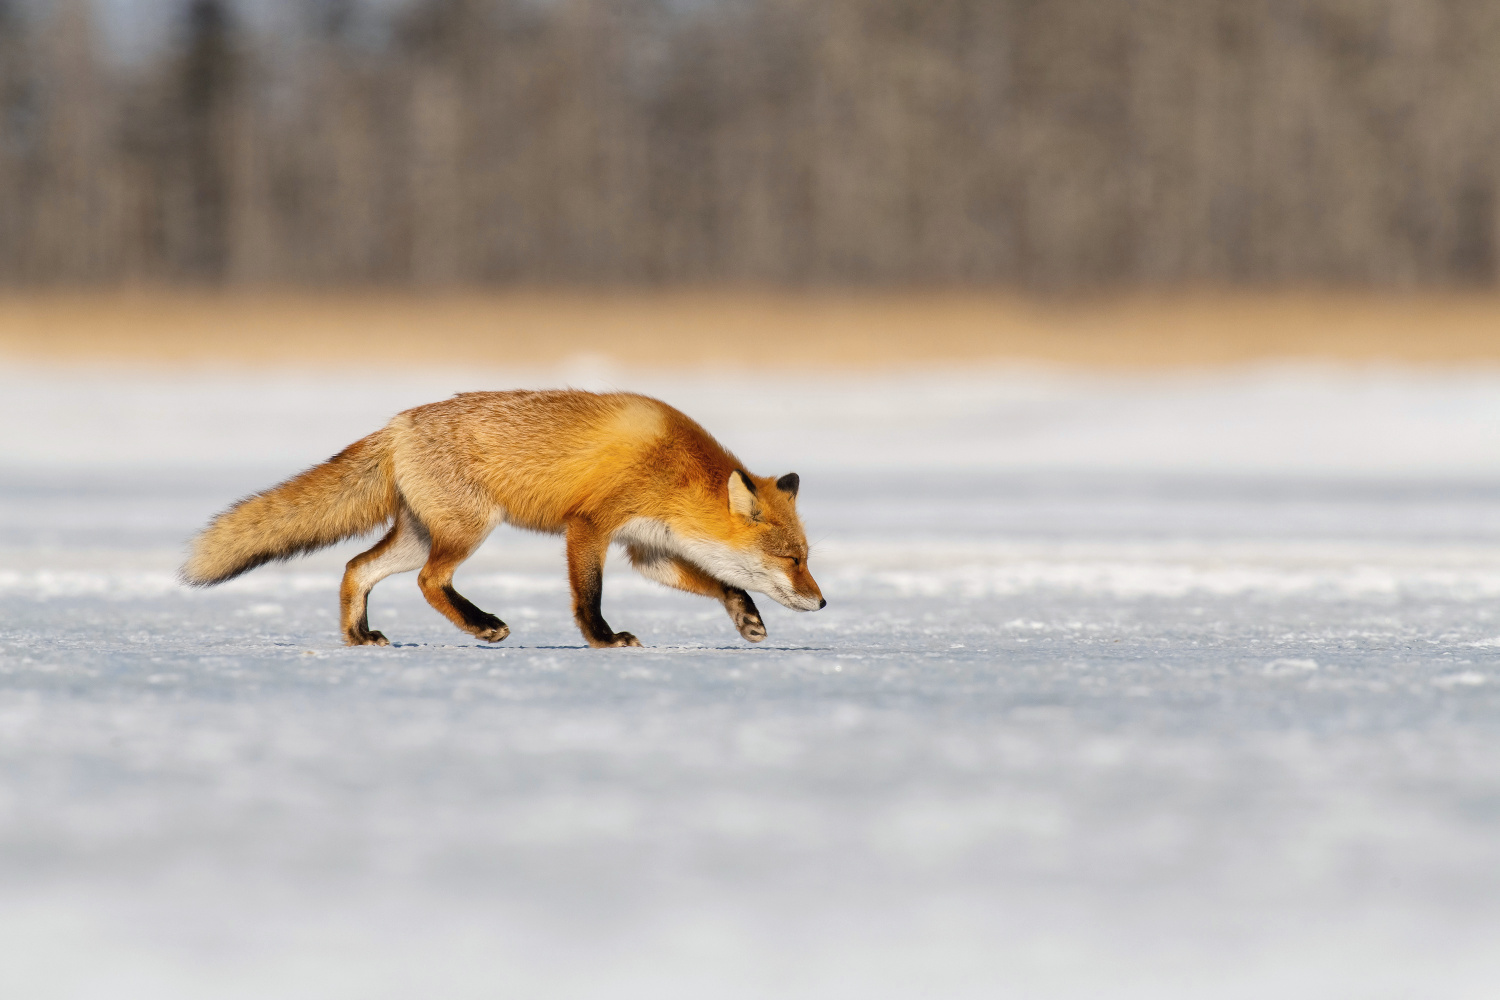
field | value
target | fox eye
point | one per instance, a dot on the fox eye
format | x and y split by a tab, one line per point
796	560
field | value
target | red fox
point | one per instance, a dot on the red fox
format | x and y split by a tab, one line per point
600	468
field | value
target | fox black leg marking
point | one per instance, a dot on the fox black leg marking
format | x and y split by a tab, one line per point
588	609
362	635
436	581
586	548
744	614
354	594
403	548
481	623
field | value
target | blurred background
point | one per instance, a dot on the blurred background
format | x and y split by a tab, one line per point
1031	144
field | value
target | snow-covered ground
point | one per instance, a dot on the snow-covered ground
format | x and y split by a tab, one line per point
1177	685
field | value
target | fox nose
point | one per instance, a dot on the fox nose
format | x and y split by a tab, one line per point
822	603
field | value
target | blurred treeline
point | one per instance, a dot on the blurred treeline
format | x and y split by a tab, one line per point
1035	143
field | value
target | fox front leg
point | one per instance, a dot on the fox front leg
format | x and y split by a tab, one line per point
586	549
742	610
683	575
743	613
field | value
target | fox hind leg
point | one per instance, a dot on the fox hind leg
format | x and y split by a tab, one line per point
682	575
404	548
586	549
449	549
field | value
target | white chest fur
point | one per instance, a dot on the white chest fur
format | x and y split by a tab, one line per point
720	561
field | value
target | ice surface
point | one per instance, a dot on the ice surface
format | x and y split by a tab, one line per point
1149	686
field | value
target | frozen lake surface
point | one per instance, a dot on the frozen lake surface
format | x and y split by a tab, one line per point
1137	686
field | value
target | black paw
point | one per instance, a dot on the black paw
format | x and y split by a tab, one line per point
752	628
494	633
616	640
365	637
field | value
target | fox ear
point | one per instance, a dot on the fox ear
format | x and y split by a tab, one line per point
742	495
789	483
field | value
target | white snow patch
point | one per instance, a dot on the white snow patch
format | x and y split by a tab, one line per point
1465	678
1289	667
1324	421
1053	736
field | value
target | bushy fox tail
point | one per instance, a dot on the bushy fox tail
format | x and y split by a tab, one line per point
351	493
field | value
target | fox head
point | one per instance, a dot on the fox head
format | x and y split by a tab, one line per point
773	546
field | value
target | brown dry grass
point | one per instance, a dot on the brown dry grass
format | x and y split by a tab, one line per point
752	329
